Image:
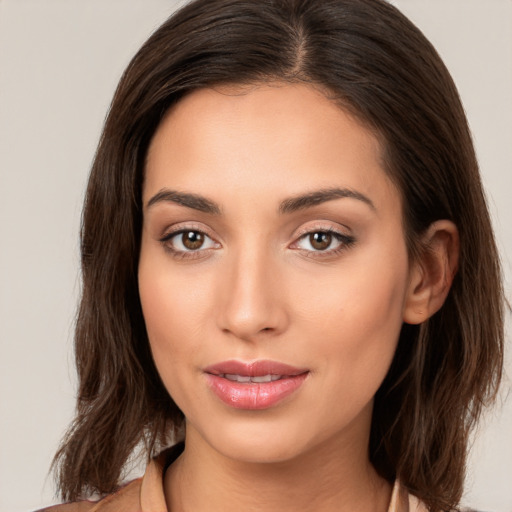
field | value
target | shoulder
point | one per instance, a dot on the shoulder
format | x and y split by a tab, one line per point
126	498
145	493
79	506
415	505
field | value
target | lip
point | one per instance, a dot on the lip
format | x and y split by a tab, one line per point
254	395
254	368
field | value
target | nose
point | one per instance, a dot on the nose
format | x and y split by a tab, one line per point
252	303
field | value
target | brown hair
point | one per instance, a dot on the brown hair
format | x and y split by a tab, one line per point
380	67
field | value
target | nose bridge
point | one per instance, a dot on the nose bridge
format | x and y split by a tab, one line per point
252	300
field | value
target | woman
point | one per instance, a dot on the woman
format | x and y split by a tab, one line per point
288	264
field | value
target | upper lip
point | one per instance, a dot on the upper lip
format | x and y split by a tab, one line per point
253	369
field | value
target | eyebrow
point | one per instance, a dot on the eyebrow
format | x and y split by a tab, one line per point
293	204
194	201
317	197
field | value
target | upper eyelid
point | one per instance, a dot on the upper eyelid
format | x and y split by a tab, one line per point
321	226
181	227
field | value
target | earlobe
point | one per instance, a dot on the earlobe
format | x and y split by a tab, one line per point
432	273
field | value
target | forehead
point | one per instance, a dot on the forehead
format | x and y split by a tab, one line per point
262	137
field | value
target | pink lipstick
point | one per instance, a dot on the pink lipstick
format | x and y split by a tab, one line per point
257	385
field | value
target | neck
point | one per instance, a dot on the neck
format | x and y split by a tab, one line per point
334	476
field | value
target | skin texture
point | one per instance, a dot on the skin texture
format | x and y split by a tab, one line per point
259	289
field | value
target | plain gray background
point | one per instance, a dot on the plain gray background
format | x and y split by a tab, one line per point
59	63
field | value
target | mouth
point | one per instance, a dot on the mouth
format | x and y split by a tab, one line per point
254	386
247	379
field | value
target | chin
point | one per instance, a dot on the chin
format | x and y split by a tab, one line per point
258	442
259	451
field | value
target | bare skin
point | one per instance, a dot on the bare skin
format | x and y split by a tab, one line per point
271	232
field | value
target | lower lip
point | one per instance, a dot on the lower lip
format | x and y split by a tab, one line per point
254	396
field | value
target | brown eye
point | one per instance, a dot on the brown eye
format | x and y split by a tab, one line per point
323	242
320	240
188	241
192	240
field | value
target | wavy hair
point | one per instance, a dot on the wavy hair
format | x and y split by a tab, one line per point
378	66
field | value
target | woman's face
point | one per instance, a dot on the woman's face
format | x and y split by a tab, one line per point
273	269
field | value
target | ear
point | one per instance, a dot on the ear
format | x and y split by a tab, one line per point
432	273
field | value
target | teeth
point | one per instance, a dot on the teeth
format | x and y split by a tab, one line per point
245	378
237	378
262	378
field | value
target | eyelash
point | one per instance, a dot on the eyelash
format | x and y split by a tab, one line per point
345	242
178	254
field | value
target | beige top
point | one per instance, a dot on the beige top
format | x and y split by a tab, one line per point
146	494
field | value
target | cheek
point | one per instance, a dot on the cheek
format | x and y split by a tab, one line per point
174	308
174	334
366	290
357	318
354	328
